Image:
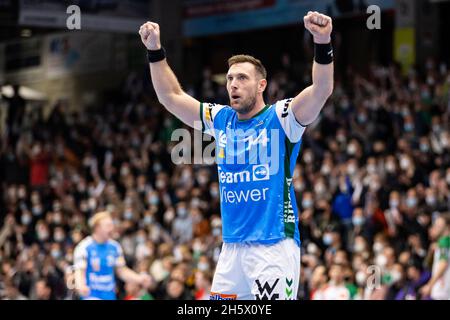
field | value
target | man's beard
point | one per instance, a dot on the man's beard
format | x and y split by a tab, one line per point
247	105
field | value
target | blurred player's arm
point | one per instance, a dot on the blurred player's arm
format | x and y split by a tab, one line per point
128	275
308	103
168	89
80	264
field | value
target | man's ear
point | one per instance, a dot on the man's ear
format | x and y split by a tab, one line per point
262	85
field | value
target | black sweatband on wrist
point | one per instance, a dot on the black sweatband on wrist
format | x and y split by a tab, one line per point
156	55
323	53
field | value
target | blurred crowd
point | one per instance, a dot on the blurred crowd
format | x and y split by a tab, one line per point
372	184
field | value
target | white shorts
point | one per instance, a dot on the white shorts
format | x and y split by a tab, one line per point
256	271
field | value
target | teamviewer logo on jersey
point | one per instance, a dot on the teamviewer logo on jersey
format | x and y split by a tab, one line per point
261	172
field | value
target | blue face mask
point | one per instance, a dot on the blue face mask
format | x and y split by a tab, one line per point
182	212
216	232
307	203
411	202
148	220
154	200
327	239
409	127
362	118
56	254
358	221
128	215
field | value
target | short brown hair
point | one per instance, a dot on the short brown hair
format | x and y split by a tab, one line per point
241	58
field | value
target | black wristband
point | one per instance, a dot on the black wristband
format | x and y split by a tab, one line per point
323	53
156	55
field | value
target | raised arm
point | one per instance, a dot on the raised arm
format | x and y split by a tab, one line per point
308	103
168	89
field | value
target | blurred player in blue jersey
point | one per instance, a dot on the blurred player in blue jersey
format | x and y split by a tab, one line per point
256	149
97	258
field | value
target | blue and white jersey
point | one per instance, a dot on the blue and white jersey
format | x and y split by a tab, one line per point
256	160
99	260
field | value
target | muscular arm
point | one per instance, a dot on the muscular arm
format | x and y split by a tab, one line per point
168	89
80	281
128	275
308	103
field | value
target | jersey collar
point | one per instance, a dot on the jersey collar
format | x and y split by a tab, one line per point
259	113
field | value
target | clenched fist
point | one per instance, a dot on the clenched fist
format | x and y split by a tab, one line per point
150	35
319	25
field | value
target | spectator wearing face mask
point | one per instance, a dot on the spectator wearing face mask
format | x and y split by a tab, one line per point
416	278
335	288
182	228
438	288
342	205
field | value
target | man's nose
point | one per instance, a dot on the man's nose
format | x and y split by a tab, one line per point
233	84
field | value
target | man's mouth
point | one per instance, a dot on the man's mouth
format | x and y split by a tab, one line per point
235	97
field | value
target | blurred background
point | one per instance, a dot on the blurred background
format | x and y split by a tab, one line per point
81	130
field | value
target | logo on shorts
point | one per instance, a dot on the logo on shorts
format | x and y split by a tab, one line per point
289	289
266	291
221	296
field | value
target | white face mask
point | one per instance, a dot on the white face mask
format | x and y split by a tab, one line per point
308	158
396	276
371	168
214	192
59	237
168	216
298	186
203	266
390	167
25	219
358	247
360	278
393	203
325	170
351	169
57	219
381	260
42	235
404	163
377	247
160	184
311	248
319	188
431	200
